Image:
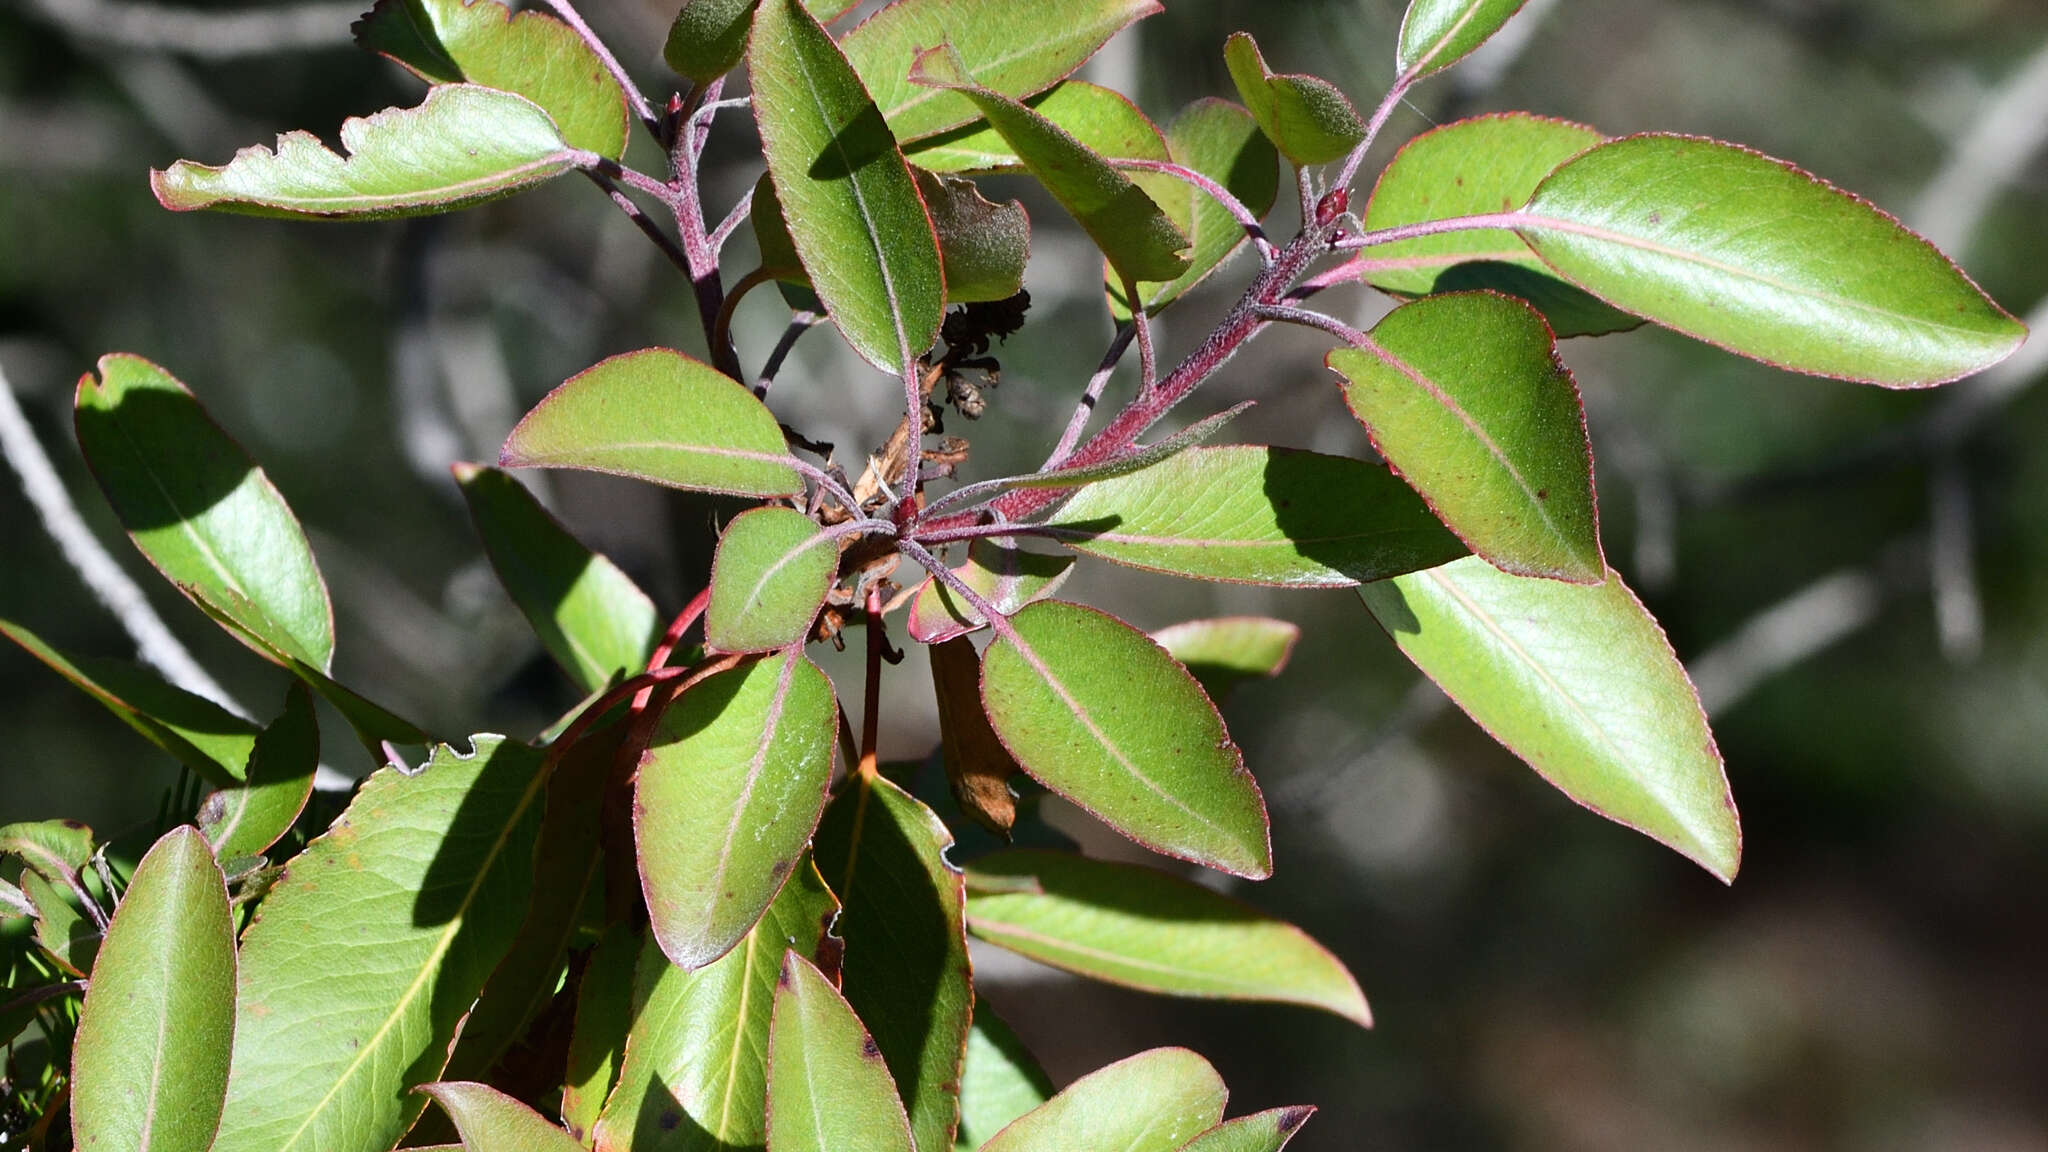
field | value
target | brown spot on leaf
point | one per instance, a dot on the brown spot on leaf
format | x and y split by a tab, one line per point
868	1051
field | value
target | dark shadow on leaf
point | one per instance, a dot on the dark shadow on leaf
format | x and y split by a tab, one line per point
1401	536
1124	889
1571	310
161	459
865	139
664	1124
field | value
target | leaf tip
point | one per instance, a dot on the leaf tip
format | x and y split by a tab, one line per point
1292	1118
940	67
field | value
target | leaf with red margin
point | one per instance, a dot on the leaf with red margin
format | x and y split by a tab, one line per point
828	1089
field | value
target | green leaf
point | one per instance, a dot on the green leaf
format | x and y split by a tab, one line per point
1465	397
658	415
1307	118
1139	239
1438	33
852	205
246	818
531	54
1105	122
415	893
1569	310
1130	463
695	1074
1152	1102
462	146
63	929
983	245
708	38
200	734
604	1017
491	1121
589	615
1760	258
770	576
1223	652
999	1081
828	1090
729	790
1580	682
1223	142
202	511
1016	50
52	849
1147	930
906	971
1267	1131
1006	576
150	1063
1257	515
1097	712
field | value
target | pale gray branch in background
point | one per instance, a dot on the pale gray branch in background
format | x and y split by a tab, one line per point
205	35
2002	140
1787	634
1483	71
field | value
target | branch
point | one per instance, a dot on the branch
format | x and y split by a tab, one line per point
568	14
1078	423
1217	192
799	323
1995	153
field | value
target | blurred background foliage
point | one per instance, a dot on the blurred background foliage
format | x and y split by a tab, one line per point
1858	578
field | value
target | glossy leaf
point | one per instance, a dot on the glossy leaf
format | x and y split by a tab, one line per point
1307	118
465	145
660	416
1256	515
1465	397
852	205
1152	1102
729	790
1223	142
828	1089
415	893
247	818
1006	576
1105	122
589	615
695	1073
491	1121
1016	50
1096	711
978	767
768	580
1436	34
1224	652
1267	1131
604	1018
529	54
1145	929
1762	259
150	1063
1139	239
999	1081
1472	167
200	734
1568	309
202	512
906	970
1580	682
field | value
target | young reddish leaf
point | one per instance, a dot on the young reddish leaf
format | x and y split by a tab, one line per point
1152	1102
1097	712
200	734
1105	122
1223	142
491	1121
729	790
604	1018
1016	50
1436	34
415	893
1006	576
1223	652
773	569
466	144
149	1067
828	1089
695	1072
978	767
1145	929
906	971
999	1081
1579	681
1307	118
852	205
1267	1131
983	246
1466	398
658	415
1139	239
1760	258
1255	515
248	817
589	615
531	54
